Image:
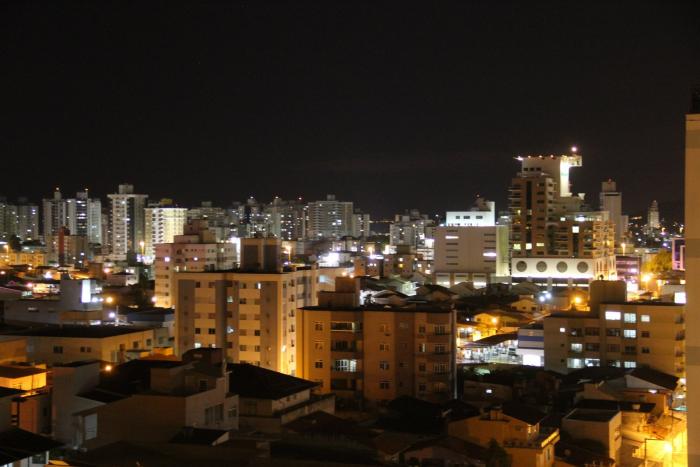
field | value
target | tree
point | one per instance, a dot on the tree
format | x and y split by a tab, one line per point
659	263
15	243
496	456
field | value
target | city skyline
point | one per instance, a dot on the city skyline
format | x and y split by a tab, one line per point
306	101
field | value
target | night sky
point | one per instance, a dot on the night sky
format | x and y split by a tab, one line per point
391	106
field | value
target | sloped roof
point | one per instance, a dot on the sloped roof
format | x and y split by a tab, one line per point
625	406
528	414
251	381
656	377
16	444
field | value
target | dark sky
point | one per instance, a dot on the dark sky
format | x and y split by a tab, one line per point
392	106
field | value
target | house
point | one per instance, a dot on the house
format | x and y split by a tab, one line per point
514	426
269	400
165	396
601	425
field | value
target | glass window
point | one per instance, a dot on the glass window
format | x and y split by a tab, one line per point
576	347
574	363
613	315
630	333
645	318
630	364
630	317
592	362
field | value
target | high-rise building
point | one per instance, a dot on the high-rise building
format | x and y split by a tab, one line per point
128	222
692	275
27	220
54	212
287	219
653	220
555	239
84	217
410	229
163	222
330	218
8	219
611	201
196	250
250	312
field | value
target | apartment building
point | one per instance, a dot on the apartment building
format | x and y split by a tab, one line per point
373	353
617	334
163	222
555	238
127	221
250	312
196	250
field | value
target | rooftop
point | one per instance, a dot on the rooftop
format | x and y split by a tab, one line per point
526	413
251	381
16	444
656	377
89	332
19	372
592	415
624	406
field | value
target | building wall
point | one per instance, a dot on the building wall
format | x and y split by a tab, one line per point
249	314
662	348
692	275
383	354
607	433
109	349
13	349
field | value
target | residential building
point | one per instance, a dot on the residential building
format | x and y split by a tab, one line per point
269	400
66	249
127	222
84	217
475	254
54	212
617	333
531	344
8	219
678	254
287	219
555	240
653	220
603	426
516	428
163	223
692	273
13	349
114	344
611	201
375	353
196	250
165	396
27	220
411	228
249	312
482	214
330	218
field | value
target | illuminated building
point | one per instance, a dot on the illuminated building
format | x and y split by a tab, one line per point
249	312
410	229
196	250
692	275
617	333
554	240
483	214
54	211
163	222
678	254
476	254
375	353
127	221
330	218
287	219
611	201
84	217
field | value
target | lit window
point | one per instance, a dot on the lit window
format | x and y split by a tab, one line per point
562	330
645	318
630	317
630	364
630	333
613	315
577	347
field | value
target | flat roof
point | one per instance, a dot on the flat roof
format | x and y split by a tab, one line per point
90	332
412	308
19	372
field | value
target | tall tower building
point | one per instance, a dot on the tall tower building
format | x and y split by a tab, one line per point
84	217
555	240
27	220
54	210
692	277
330	218
128	221
611	201
163	222
8	219
653	216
